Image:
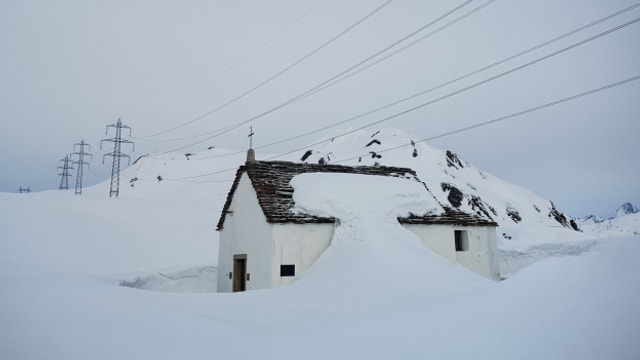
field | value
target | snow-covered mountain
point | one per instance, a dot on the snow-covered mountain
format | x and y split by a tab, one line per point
453	181
524	218
626	209
625	222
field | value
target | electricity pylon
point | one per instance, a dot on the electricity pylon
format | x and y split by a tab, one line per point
64	181
117	141
24	191
81	163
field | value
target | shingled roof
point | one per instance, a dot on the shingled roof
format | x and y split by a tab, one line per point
271	181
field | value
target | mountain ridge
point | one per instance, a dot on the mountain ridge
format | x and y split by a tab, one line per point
626	209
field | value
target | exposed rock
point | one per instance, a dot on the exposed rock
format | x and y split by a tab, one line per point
626	209
480	207
574	226
374	141
455	195
561	218
514	214
306	155
453	160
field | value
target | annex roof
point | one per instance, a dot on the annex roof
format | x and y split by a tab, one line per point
271	181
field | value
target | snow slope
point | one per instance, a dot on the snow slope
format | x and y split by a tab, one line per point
625	222
62	259
626	209
530	226
621	225
525	219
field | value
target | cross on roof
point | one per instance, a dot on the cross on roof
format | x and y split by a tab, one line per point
250	136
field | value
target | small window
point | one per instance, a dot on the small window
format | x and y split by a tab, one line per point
287	270
462	240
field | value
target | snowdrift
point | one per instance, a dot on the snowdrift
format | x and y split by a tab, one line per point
62	299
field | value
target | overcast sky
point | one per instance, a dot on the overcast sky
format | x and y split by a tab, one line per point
69	68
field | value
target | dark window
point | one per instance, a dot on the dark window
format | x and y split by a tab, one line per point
287	270
462	240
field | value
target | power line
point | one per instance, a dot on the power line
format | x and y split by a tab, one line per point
347	74
278	74
510	116
488	66
459	78
457	131
423	92
455	92
475	85
226	129
240	61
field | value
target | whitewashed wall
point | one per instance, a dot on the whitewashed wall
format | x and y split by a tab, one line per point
300	245
481	256
245	231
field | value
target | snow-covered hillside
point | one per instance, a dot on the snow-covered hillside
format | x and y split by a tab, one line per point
625	222
523	216
530	226
626	209
69	265
525	219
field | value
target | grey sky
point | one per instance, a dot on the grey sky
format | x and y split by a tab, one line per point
69	68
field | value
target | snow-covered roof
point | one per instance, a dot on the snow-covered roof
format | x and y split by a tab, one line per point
272	183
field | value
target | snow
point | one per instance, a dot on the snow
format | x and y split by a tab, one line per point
349	196
536	227
626	209
92	277
624	225
369	236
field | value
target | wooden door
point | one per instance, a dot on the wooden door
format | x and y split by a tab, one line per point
239	273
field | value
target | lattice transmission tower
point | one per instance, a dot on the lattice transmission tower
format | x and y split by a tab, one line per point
64	181
81	153
117	141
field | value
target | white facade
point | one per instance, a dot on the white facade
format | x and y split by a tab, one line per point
297	244
265	247
276	254
480	250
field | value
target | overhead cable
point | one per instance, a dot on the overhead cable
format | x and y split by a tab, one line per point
477	84
449	82
229	128
273	77
233	66
457	131
507	117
